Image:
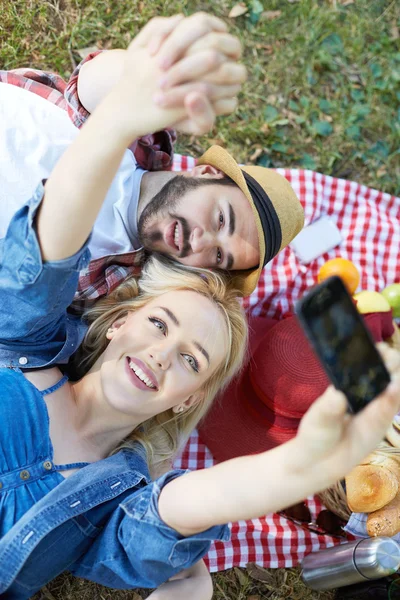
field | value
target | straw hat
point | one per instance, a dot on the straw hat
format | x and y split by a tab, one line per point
277	211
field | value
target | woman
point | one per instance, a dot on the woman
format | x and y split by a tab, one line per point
69	498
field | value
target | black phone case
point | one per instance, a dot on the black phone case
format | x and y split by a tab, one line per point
373	377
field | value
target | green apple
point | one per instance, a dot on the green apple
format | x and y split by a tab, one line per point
369	302
392	295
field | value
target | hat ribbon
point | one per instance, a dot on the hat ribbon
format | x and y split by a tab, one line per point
268	216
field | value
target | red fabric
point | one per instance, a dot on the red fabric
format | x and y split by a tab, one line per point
262	408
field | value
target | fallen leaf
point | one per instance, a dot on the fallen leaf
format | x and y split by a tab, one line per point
346	2
257	152
242	577
258	573
394	31
217	141
270	15
238	10
381	172
84	52
268	48
290	114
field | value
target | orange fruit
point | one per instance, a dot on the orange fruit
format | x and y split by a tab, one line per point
345	269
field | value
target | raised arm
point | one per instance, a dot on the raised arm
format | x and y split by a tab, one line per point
328	445
78	185
209	54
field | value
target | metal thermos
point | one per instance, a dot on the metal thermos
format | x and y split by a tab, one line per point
369	558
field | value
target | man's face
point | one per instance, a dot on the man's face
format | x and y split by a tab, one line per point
208	226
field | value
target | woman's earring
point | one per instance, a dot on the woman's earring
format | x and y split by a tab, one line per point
181	409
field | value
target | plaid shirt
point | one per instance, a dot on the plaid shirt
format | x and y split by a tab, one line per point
152	152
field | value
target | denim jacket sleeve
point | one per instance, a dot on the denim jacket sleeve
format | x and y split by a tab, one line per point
34	295
137	549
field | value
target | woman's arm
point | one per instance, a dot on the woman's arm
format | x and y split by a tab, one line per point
79	183
328	445
194	583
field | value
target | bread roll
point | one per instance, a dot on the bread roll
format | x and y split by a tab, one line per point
385	521
384	459
370	487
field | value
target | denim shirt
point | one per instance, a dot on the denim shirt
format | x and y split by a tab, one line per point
35	329
103	520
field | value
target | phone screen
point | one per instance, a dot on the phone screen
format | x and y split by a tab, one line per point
343	343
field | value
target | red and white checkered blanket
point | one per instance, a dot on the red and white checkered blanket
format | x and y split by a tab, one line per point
272	541
370	225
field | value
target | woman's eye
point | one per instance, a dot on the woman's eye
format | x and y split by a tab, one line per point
192	362
159	324
221	219
219	256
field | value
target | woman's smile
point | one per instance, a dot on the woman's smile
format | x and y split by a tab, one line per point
141	376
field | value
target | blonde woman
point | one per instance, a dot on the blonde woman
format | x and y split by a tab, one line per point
80	462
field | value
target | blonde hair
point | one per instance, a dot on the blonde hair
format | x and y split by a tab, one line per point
163	434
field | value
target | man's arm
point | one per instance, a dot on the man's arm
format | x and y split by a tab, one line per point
328	445
98	76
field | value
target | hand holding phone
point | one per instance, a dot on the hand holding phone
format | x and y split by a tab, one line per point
343	343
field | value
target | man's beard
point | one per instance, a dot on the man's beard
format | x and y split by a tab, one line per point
158	208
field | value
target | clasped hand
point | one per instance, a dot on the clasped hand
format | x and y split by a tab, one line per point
180	72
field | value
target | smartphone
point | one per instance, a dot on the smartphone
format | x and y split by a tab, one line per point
342	342
316	239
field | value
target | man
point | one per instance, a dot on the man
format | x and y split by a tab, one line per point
216	215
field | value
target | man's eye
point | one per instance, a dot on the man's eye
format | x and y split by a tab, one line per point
219	256
192	362
159	324
221	219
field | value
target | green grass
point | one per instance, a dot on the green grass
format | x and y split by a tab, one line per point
324	77
323	93
254	583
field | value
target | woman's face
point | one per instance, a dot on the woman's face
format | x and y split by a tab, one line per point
160	356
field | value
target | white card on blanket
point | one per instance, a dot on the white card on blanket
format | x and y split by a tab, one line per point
316	239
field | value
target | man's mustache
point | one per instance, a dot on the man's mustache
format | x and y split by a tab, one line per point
186	248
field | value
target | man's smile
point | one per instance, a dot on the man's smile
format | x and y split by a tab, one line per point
173	236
